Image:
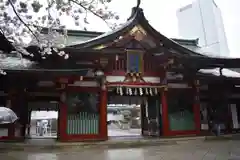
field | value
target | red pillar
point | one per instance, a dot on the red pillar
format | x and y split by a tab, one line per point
63	118
196	107
197	117
165	121
103	115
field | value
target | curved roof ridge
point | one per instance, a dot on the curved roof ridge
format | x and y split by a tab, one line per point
132	20
137	17
188	41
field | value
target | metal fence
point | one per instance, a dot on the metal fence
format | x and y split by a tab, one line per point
83	123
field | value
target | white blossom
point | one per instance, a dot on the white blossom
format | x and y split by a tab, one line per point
21	22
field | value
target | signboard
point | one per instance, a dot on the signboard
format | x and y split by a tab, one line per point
134	61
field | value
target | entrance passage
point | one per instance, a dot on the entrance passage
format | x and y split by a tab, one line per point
124	120
44	120
43	124
133	116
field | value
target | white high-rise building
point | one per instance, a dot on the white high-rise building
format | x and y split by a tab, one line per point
203	20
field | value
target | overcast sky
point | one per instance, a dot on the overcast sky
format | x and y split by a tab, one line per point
162	16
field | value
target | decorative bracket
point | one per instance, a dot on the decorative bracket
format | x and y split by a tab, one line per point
133	77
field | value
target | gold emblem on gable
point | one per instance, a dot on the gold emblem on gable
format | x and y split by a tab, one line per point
138	33
99	47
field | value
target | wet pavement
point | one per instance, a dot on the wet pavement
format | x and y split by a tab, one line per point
219	150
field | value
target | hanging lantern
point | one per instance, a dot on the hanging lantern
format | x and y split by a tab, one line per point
140	91
150	91
117	90
121	91
130	91
146	91
126	90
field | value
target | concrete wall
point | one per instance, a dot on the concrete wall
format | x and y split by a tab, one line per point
202	19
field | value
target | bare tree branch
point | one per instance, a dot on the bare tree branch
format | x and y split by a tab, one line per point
14	10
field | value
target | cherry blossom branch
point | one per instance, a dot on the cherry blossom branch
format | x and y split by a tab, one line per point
90	2
86	9
1	30
20	19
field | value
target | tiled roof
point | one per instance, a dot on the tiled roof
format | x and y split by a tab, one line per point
5	45
225	72
15	63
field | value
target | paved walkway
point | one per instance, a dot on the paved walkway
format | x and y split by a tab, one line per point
215	150
50	144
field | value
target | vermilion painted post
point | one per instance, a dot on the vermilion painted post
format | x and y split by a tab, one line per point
197	117
63	121
63	117
196	109
165	121
103	115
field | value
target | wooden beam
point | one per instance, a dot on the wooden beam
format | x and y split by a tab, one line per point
87	51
